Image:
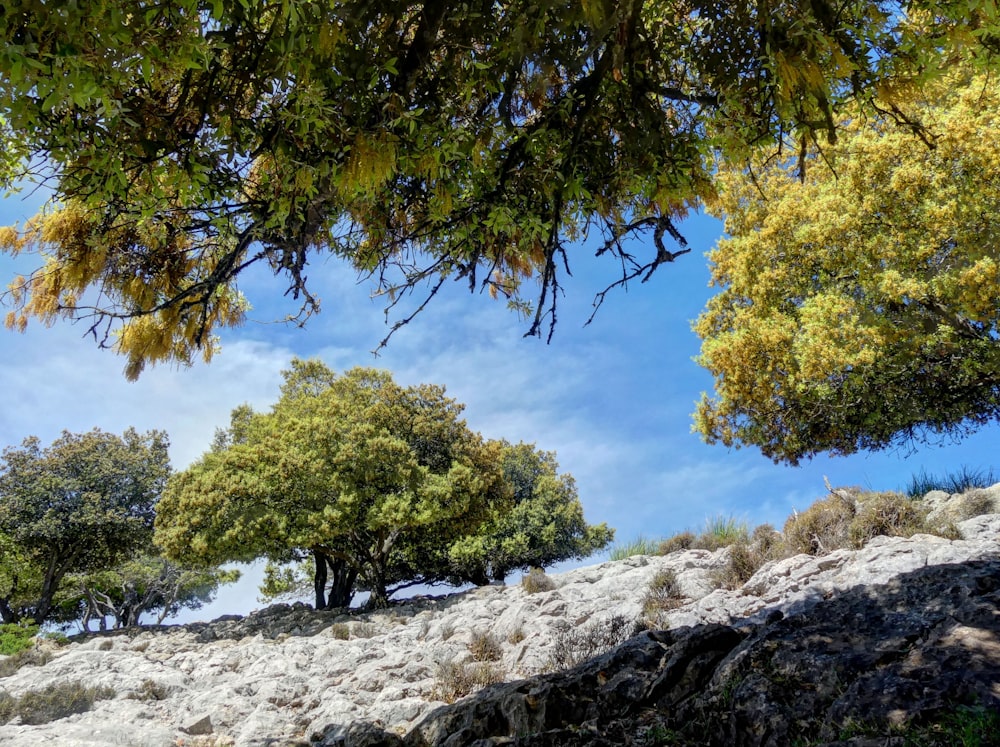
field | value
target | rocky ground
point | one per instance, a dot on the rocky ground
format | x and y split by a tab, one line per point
853	647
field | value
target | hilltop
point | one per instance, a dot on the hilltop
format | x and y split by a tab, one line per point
851	646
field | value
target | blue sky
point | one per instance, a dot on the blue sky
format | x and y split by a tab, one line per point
613	399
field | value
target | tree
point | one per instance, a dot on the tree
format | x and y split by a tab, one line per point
421	142
545	525
81	504
145	584
346	469
860	304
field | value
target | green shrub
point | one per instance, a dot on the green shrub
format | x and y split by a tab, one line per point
639	546
680	541
340	631
536	580
821	528
53	702
485	647
16	637
456	680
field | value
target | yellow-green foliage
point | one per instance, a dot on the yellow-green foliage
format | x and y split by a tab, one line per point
418	143
860	304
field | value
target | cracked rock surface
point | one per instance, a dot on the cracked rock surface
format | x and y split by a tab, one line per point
896	632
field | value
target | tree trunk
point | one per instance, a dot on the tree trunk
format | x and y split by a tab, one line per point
319	579
342	588
8	615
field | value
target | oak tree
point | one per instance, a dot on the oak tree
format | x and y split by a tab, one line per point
545	524
419	142
860	301
347	469
82	504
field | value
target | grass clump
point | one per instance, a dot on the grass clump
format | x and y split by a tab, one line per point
29	656
664	594
680	541
577	645
891	514
52	703
963	479
340	631
536	580
821	528
455	680
747	557
485	647
639	546
722	531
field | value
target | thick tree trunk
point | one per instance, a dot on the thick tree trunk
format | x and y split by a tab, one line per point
342	587
8	615
319	579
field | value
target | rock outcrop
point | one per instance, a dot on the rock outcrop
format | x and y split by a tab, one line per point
810	650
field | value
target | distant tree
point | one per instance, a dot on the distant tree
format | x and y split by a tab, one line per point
84	503
421	142
146	584
347	470
860	303
545	525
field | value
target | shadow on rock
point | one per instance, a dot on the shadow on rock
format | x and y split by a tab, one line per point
862	663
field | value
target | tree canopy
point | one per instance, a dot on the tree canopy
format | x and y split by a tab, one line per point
379	486
860	302
350	469
421	142
84	503
545	524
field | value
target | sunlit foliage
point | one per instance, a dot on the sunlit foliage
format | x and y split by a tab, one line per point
421	142
82	504
860	302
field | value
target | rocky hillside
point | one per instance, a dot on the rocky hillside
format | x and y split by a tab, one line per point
850	647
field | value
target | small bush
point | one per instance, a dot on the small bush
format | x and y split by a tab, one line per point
456	680
577	645
821	528
681	541
639	546
664	593
746	558
974	503
15	638
340	631
485	647
30	656
890	514
8	706
53	703
536	580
